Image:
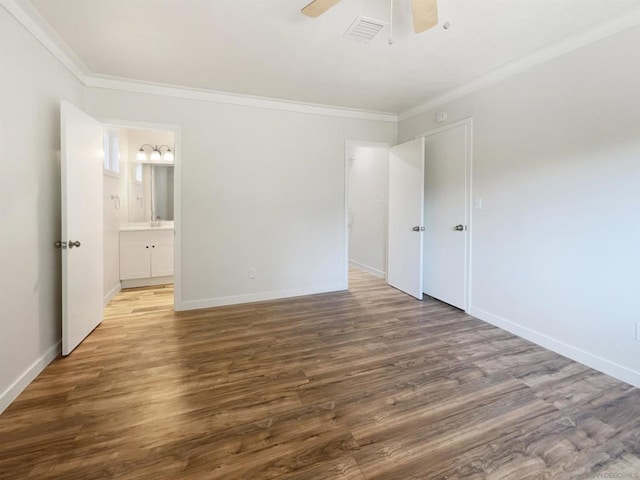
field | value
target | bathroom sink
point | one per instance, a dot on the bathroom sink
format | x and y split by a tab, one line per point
162	225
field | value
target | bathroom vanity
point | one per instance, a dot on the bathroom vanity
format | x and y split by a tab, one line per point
146	254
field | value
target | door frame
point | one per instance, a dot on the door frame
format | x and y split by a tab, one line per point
468	181
348	144
177	175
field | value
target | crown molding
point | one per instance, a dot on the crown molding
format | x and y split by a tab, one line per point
33	22
570	44
38	27
150	88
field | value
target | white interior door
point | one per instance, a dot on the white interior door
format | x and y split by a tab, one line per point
445	221
406	203
81	174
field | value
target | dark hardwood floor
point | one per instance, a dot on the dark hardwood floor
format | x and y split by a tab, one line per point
366	384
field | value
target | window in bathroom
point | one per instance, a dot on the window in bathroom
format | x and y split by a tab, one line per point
111	153
138	173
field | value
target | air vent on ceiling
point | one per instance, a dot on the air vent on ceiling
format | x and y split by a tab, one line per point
364	29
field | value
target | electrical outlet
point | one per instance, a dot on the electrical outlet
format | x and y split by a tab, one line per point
477	203
252	273
638	331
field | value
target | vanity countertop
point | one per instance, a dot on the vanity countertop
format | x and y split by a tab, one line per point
130	227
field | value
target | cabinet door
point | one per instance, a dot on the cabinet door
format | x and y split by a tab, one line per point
161	253
135	256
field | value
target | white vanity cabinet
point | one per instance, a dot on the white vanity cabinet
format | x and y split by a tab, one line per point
146	255
161	253
135	255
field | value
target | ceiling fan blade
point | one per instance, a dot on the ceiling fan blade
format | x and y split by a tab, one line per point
318	7
425	14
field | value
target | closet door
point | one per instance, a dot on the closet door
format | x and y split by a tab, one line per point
406	216
446	234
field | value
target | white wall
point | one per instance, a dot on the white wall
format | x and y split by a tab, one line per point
556	247
32	83
138	203
368	187
259	189
114	218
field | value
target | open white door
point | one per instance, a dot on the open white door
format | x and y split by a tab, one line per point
406	216
81	175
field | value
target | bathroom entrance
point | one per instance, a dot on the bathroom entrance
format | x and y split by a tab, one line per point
118	194
138	201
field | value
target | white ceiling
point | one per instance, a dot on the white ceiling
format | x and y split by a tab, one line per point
268	48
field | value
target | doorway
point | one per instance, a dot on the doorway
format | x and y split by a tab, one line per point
139	209
366	190
95	169
152	189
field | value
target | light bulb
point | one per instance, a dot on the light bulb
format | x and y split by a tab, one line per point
141	156
155	155
168	156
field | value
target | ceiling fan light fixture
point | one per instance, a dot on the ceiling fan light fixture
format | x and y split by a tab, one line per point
425	16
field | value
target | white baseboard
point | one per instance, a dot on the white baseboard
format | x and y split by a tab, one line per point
112	293
256	297
146	282
23	381
574	353
367	268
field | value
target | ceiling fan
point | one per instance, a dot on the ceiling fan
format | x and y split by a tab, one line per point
425	12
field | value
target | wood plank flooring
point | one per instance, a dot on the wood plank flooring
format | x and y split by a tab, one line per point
366	384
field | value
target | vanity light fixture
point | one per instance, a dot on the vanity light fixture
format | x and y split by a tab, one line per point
156	153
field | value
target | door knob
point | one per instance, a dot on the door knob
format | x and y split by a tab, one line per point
459	228
418	229
74	244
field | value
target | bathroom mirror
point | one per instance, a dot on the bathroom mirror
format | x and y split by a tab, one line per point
162	191
150	191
